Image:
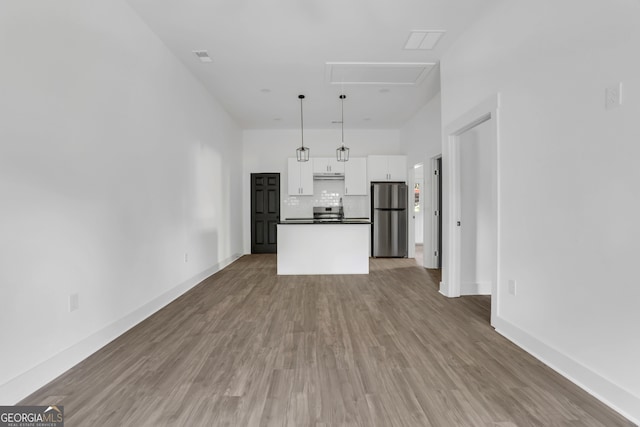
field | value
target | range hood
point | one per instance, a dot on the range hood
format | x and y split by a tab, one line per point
328	176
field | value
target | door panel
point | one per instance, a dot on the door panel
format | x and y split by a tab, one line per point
272	232
259	232
273	201
258	200
265	212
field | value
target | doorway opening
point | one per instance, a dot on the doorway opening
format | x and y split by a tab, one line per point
432	213
471	234
476	213
416	204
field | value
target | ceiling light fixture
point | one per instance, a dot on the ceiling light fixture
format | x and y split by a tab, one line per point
302	153
342	152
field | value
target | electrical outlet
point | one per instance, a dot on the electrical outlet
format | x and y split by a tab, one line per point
74	302
512	287
613	96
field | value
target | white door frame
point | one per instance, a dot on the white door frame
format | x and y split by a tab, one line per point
411	182
485	112
411	229
430	259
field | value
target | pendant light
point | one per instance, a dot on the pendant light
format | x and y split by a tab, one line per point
342	152
302	153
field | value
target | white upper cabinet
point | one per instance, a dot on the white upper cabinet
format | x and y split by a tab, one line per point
397	168
387	168
355	177
300	178
327	165
378	167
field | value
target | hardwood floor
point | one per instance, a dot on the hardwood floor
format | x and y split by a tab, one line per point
249	348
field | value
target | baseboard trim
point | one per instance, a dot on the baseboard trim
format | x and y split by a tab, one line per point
470	288
612	395
444	290
28	382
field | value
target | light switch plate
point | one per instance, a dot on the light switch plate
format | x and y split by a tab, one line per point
613	96
512	287
74	302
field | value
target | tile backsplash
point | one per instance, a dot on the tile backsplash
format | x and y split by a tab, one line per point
325	193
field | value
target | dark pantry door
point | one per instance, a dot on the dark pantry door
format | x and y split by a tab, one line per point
265	212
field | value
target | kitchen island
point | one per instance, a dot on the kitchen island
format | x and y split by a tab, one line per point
338	247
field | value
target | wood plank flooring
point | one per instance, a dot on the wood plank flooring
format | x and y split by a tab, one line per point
249	348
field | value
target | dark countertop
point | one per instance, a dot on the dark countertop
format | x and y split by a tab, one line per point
312	221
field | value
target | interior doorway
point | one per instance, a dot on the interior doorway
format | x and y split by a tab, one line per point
416	204
476	210
436	213
471	224
265	212
433	219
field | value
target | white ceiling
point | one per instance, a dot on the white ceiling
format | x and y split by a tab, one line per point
266	52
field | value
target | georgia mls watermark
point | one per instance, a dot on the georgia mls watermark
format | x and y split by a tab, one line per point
31	416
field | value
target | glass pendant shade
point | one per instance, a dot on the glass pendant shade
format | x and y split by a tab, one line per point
342	152
302	152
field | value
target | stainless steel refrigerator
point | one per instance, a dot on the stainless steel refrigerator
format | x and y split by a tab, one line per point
389	217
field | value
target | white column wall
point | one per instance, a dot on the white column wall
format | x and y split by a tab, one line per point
421	140
568	180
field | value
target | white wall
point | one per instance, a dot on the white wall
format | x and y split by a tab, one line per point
421	140
477	257
268	150
421	137
568	180
114	163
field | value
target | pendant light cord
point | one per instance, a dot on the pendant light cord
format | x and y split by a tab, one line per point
301	97
342	97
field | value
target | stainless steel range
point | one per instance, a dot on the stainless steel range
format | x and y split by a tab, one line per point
328	213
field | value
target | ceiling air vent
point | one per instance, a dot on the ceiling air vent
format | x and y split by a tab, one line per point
202	55
423	40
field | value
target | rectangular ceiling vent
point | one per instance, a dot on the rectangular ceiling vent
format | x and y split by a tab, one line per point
423	39
377	73
203	56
